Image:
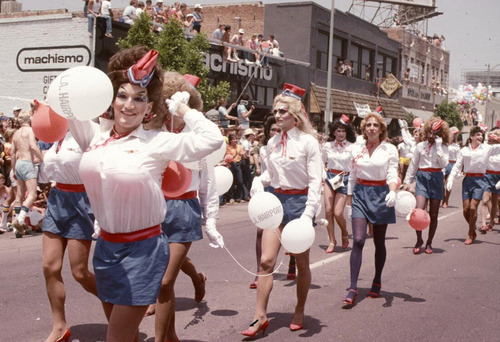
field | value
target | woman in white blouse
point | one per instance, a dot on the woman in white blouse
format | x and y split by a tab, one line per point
337	154
372	190
121	170
472	160
426	167
491	178
453	150
295	172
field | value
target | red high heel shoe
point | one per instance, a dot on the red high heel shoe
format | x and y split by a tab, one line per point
252	333
65	337
351	297
374	291
345	242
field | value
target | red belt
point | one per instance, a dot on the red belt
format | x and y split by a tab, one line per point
372	182
430	169
292	191
70	187
338	171
493	172
186	195
139	235
474	175
452	161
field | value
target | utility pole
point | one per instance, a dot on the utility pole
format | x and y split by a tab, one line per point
328	105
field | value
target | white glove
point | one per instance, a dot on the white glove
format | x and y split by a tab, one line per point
176	99
97	230
403	124
497	186
216	240
449	184
322	222
349	211
256	186
438	141
390	199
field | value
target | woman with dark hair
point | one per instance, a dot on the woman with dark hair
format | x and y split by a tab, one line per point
372	190
491	178
472	160
295	172
426	167
121	170
337	155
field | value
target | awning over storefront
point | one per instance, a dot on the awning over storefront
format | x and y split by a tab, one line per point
423	114
343	103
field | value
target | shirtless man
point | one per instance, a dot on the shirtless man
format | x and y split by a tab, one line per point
24	151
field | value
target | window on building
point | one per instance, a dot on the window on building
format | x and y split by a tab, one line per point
354	59
338	49
366	64
322	50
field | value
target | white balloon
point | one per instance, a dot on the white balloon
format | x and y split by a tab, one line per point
81	92
211	160
265	210
298	236
223	179
405	203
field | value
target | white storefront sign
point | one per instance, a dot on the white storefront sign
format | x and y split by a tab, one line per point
362	109
39	48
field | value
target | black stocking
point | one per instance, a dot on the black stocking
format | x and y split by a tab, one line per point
379	231
358	242
433	212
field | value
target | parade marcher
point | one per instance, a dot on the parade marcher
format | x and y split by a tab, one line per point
337	154
68	225
295	172
24	153
453	149
182	224
491	178
426	167
121	170
372	190
472	159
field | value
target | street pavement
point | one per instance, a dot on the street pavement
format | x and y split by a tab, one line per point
450	295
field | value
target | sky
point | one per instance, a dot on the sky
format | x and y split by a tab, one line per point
471	28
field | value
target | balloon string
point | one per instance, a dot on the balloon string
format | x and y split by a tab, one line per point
250	272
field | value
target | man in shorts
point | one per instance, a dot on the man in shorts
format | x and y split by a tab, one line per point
24	152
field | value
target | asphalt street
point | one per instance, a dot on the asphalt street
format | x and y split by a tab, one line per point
450	295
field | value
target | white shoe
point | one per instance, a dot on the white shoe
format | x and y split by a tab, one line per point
258	63
236	58
230	60
247	62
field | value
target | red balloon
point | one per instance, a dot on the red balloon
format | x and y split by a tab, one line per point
228	158
47	125
417	122
419	219
176	179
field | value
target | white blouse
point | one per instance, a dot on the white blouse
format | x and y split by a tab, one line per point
426	156
338	156
453	150
473	160
381	165
295	163
123	177
63	166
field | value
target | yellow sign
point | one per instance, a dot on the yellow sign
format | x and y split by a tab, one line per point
390	85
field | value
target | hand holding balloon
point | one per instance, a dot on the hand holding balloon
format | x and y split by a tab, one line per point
216	240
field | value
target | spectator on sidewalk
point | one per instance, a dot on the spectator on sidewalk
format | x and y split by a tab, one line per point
224	116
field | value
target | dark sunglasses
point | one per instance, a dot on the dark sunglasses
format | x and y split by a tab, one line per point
282	111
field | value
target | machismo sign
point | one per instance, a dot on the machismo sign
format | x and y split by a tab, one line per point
53	58
216	63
